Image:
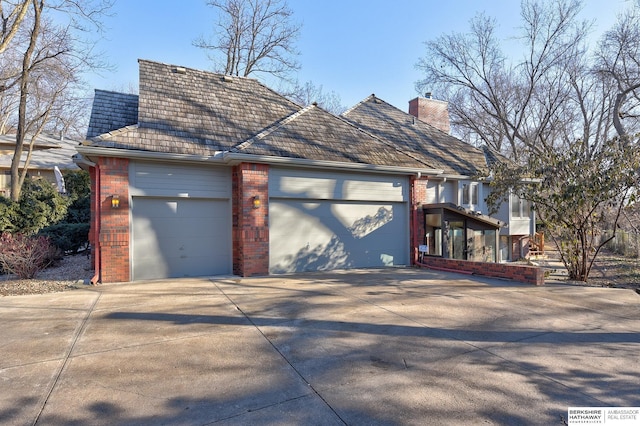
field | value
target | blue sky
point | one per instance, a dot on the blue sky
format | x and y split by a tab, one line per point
352	47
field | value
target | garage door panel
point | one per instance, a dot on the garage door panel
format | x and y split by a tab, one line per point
180	237
325	235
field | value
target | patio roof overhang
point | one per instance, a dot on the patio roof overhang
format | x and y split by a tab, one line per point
466	213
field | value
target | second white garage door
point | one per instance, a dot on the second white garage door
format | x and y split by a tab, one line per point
325	235
323	221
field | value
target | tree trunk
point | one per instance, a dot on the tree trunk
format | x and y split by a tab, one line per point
16	184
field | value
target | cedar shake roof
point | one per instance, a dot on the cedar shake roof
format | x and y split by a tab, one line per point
429	145
112	111
187	111
316	134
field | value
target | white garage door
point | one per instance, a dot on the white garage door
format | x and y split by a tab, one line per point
180	238
320	221
180	221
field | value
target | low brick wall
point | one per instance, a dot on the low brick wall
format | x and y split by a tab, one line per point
524	273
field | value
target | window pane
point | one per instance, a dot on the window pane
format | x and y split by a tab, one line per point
526	208
515	206
474	194
465	194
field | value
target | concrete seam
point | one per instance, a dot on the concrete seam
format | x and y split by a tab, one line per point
280	353
76	336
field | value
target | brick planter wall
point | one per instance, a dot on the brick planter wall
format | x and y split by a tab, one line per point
250	225
524	273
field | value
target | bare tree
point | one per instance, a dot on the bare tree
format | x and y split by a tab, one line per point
513	106
618	59
11	20
555	111
42	65
253	37
308	93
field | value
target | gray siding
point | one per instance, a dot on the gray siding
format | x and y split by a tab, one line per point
179	180
320	185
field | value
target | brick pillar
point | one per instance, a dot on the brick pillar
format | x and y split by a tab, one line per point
114	222
418	197
250	224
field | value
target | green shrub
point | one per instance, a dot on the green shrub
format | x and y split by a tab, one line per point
8	213
68	237
77	183
26	256
61	220
79	211
40	205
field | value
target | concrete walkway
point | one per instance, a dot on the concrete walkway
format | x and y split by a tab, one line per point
401	346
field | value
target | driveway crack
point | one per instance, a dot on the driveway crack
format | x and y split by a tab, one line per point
297	372
67	356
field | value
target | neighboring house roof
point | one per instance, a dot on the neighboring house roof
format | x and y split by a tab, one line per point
57	153
428	144
61	156
8	143
112	111
493	157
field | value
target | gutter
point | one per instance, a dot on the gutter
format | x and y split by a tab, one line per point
233	158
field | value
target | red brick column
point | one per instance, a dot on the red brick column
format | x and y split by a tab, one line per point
114	222
250	224
418	197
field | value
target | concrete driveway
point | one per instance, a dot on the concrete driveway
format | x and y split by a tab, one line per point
399	346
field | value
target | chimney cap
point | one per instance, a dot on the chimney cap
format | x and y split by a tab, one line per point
427	95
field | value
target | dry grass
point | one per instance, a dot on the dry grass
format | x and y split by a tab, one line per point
611	270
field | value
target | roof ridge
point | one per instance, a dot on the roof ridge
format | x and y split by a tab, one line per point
382	140
272	128
116	92
116	132
373	95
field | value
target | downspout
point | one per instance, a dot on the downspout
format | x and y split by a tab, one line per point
96	228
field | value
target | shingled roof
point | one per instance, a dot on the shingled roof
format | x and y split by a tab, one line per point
187	111
316	134
429	145
112	111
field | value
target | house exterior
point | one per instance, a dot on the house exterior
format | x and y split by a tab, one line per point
48	153
457	222
205	174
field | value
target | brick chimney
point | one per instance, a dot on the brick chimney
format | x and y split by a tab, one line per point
431	111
